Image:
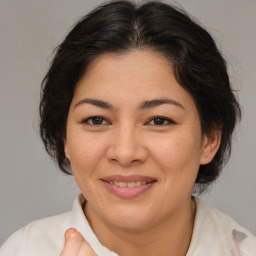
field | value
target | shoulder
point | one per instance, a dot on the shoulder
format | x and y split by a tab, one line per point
240	241
41	237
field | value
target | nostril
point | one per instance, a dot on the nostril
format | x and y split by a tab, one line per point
135	160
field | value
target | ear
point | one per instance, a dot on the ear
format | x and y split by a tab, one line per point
66	151
210	146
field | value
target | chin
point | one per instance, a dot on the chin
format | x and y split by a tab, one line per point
130	223
130	218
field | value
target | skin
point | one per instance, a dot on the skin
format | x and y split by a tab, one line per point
76	245
163	141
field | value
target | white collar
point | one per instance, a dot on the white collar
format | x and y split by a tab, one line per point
79	222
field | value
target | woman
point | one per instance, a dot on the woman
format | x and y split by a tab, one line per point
137	105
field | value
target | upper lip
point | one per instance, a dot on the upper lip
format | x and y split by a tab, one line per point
130	178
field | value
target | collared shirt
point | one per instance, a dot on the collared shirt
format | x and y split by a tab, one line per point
214	234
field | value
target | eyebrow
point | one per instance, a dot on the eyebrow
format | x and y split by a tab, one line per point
157	102
144	105
97	103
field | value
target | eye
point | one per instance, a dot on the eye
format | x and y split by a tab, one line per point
160	121
95	120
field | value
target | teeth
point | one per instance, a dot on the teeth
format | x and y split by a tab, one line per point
128	184
122	184
131	184
138	183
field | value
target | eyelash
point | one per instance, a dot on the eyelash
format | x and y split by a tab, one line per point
163	120
94	119
90	121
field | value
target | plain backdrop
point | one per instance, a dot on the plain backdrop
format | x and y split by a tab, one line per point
31	187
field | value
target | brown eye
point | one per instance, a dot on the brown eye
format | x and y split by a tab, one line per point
95	120
160	121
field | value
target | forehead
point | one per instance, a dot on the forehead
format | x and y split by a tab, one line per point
142	64
135	75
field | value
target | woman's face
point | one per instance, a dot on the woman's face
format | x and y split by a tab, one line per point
134	140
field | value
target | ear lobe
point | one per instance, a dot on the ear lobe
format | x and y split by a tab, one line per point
211	143
66	151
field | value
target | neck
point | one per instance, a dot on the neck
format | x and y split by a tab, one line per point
170	237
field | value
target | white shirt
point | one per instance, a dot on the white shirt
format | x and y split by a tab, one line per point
214	234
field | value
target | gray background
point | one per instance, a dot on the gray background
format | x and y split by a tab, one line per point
31	187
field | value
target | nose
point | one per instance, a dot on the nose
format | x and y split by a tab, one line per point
126	147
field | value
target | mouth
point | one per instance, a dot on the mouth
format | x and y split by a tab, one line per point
128	186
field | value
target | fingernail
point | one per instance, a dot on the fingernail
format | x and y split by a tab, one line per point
71	232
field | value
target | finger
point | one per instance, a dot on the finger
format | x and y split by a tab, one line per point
86	249
73	243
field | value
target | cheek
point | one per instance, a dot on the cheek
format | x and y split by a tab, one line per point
85	154
85	157
178	155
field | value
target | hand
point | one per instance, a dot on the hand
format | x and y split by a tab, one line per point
75	245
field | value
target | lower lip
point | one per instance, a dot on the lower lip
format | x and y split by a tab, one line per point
126	192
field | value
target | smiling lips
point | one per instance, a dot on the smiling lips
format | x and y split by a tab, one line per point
128	186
